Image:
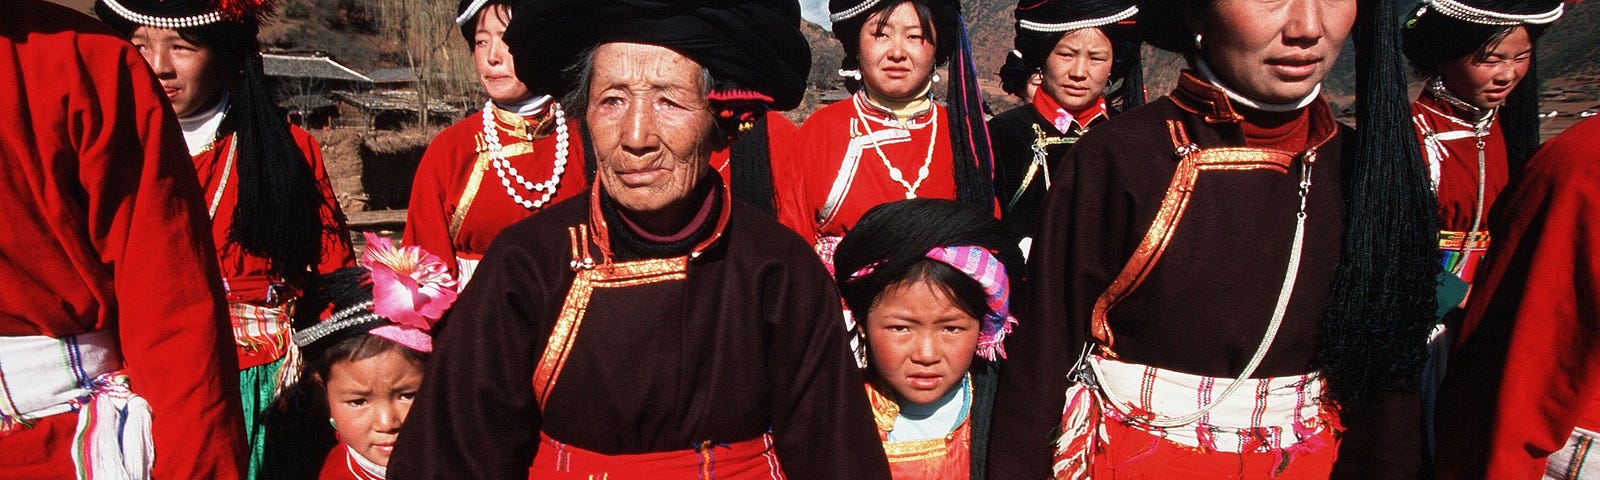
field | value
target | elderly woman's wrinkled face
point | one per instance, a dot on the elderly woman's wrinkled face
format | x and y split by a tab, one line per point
651	125
1275	51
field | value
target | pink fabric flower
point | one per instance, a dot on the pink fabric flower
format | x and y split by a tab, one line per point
410	287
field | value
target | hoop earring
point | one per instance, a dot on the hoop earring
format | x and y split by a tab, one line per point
1199	43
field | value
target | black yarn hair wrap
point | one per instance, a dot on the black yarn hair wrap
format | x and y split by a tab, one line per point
1373	336
278	215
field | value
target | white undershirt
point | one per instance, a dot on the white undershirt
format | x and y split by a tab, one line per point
1206	74
371	467
200	128
933	420
526	108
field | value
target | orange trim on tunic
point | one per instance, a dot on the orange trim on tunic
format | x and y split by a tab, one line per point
941	458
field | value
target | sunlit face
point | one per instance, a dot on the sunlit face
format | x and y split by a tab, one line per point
652	127
1075	73
1485	80
191	74
496	69
368	400
897	59
1275	51
921	343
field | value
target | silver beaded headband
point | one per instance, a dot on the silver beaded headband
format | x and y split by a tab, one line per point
471	11
164	22
1468	13
347	317
1080	24
853	11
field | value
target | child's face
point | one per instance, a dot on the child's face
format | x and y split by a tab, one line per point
369	398
921	342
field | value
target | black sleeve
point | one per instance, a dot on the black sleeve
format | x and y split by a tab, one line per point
822	424
476	416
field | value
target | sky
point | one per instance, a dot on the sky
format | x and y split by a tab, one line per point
816	11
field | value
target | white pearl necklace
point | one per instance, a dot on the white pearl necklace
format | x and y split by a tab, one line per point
895	173
547	188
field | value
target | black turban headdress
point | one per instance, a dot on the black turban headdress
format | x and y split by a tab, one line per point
1041	23
753	48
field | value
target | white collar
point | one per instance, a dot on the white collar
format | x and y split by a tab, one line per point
200	128
526	108
368	465
1211	77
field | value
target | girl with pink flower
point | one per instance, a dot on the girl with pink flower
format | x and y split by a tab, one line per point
365	361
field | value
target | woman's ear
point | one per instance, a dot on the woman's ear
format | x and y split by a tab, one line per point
317	377
1036	79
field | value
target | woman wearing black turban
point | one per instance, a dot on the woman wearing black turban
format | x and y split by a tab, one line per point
655	327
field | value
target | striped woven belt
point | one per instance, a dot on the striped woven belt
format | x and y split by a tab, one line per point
261	335
42	376
1460	252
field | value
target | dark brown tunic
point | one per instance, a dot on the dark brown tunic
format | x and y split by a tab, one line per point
749	342
1205	305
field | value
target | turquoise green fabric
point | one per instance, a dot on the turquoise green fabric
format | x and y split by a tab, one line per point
1451	289
255	388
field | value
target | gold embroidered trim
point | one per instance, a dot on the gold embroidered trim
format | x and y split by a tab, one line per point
475	181
1463	240
884	412
576	306
1194	160
517	126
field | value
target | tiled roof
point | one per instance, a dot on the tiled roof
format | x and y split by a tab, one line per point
308	66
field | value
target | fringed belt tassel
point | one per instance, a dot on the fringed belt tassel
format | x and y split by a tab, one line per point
43	376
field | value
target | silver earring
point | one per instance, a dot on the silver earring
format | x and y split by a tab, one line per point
935	78
1199	42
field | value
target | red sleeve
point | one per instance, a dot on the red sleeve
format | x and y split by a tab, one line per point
428	214
794	205
1526	372
335	233
146	220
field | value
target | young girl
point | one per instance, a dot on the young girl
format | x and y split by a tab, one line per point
275	221
1473	65
931	279
365	362
889	141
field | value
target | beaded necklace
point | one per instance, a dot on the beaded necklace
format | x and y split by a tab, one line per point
509	174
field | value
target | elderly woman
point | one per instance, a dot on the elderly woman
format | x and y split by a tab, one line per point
1069	49
1226	275
486	172
274	219
655	327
